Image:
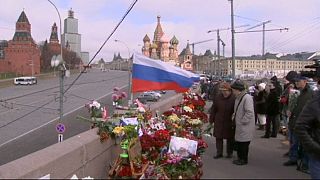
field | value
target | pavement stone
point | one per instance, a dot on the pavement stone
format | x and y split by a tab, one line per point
265	160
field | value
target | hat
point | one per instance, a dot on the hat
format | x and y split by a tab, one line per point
274	78
225	86
239	85
299	77
262	85
291	75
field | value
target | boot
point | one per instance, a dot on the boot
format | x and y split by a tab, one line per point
261	127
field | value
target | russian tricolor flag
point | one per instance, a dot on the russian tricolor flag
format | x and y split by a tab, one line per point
149	74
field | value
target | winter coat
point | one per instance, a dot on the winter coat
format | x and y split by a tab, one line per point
307	127
305	95
244	118
261	106
221	116
273	103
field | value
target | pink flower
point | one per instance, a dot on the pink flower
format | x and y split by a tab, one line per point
116	89
124	95
115	97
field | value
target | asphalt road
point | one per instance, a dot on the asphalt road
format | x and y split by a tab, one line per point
24	128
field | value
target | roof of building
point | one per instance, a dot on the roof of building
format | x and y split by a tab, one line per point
303	56
20	36
146	38
208	53
174	40
158	32
188	51
23	18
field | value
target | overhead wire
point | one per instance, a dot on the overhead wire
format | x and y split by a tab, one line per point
113	31
26	114
295	36
122	19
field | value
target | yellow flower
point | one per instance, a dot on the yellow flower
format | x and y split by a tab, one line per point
118	130
174	118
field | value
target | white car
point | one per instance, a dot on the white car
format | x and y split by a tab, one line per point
157	94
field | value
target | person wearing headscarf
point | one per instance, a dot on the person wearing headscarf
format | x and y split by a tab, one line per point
221	116
261	105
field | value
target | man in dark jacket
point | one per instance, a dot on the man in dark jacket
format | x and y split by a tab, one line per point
272	111
305	95
278	87
307	130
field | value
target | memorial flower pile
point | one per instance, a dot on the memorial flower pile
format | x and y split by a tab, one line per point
168	146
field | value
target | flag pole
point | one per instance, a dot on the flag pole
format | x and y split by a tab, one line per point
130	101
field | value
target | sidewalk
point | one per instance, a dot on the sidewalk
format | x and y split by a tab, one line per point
265	161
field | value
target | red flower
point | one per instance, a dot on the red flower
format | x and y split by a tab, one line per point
125	171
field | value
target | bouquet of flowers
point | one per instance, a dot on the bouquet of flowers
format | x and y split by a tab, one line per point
118	97
96	110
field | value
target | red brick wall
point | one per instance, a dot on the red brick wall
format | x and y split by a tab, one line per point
21	55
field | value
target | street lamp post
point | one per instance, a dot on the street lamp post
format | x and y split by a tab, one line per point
129	72
232	41
62	69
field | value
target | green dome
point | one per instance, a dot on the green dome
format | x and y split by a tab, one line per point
174	40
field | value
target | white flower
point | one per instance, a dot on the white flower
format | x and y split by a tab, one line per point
95	104
141	109
187	109
195	121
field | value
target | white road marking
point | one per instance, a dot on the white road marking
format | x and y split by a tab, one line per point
51	121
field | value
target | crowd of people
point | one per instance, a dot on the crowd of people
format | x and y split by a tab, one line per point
290	106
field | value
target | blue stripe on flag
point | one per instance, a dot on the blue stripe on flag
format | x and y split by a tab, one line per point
157	75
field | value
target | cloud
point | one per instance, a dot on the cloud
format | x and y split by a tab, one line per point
186	19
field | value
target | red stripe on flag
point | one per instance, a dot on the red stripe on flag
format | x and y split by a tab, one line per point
143	85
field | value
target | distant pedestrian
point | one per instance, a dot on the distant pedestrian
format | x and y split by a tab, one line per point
261	105
277	85
221	116
244	121
272	111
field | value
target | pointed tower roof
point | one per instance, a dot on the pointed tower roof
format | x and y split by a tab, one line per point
23	18
23	29
54	34
146	38
158	32
188	52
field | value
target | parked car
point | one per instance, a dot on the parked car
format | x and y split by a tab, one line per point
144	97
154	93
161	92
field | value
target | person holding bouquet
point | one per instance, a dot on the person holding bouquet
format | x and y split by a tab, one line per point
221	116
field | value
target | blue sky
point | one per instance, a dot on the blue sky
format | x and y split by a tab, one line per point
186	19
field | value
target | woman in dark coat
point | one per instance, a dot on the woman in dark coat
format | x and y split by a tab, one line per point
272	111
221	116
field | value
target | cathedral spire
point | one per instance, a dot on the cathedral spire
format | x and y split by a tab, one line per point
158	32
